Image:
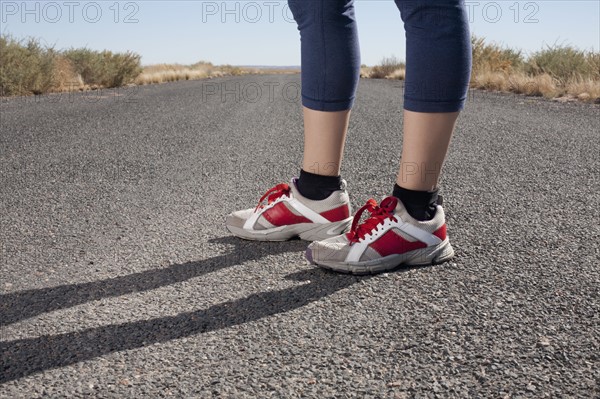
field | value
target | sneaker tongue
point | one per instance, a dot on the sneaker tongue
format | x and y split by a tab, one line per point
398	207
389	203
401	212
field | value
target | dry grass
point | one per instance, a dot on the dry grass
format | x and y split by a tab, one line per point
365	71
516	82
27	67
161	73
543	85
489	80
539	85
584	89
172	72
398	74
270	71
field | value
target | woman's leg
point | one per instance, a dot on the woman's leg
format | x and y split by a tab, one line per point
324	139
409	228
438	60
315	206
426	140
330	73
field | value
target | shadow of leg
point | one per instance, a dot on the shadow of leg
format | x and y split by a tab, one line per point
28	356
22	305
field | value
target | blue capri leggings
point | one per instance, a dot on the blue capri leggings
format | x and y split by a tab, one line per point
438	53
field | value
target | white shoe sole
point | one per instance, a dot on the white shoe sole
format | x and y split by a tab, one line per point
432	255
305	231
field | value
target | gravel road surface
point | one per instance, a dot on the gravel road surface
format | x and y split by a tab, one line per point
119	279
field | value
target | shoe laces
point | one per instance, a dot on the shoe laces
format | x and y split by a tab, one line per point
273	194
379	213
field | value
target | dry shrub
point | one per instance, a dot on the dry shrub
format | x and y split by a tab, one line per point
67	78
387	66
398	74
25	68
494	58
564	63
104	69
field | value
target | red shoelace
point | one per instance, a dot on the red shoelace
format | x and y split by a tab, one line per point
378	215
273	194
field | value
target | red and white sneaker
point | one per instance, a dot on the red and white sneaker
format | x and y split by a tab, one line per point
389	238
287	214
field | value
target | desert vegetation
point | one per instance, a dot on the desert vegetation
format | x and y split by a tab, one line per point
27	67
160	73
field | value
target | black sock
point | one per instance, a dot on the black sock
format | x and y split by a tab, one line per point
419	204
317	187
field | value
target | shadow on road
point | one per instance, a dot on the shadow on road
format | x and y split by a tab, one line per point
25	304
28	356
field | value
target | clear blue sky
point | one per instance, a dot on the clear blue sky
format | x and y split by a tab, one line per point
262	32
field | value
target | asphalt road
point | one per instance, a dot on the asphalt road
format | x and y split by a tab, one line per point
120	280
